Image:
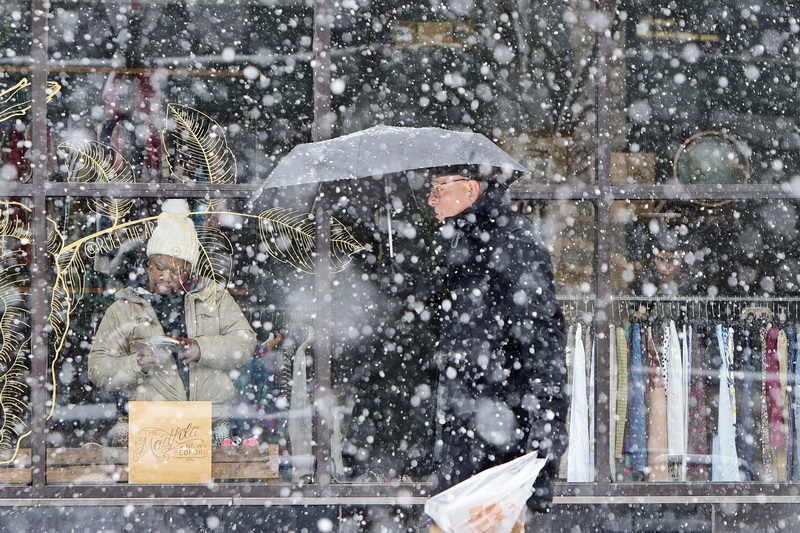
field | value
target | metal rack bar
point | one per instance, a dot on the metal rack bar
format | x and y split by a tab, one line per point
739	299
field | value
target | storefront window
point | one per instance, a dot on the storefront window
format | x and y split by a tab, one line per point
704	288
662	152
704	336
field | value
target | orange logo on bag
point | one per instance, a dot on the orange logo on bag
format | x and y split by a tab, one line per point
485	517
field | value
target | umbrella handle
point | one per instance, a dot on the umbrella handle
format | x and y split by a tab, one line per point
389	222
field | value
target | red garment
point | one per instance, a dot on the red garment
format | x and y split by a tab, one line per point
700	420
774	395
16	155
133	97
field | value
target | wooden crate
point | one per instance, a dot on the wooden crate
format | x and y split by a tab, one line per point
95	464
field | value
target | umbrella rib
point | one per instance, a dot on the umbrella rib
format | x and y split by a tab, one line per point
358	157
463	148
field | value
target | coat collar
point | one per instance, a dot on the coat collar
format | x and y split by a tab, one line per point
485	211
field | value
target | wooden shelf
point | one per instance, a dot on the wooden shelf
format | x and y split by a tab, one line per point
95	464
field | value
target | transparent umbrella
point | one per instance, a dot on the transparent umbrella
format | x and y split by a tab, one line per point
382	150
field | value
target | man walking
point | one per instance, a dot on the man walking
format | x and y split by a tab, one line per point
501	350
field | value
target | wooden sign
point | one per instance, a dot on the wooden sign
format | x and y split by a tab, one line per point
169	442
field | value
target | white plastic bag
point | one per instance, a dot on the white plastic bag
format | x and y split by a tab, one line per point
488	502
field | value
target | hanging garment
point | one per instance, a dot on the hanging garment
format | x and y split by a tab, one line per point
563	465
676	402
657	444
765	473
783	374
578	453
783	365
636	428
613	394
700	422
622	390
724	461
774	396
621	410
686	350
300	422
791	338
589	341
745	427
795	409
133	98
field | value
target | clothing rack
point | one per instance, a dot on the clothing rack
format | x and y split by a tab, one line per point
747	394
577	308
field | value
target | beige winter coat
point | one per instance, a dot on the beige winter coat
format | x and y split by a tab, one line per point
213	319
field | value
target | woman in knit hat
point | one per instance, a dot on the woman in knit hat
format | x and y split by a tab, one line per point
213	336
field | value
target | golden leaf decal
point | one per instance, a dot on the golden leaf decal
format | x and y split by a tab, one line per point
14	350
216	255
19	108
290	237
14	328
12	225
95	162
68	287
67	292
196	147
343	246
55	240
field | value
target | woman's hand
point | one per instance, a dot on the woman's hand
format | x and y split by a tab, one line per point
145	357
191	350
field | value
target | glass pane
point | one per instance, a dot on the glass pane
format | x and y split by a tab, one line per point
705	341
15	36
568	231
15	103
234	286
132	76
15	327
388	322
15	90
719	67
523	77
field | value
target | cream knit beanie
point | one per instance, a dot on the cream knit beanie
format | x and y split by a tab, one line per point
175	235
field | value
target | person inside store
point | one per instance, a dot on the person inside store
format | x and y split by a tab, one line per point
501	346
662	272
213	336
672	265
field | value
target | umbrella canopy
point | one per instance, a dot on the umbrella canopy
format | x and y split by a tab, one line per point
384	150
